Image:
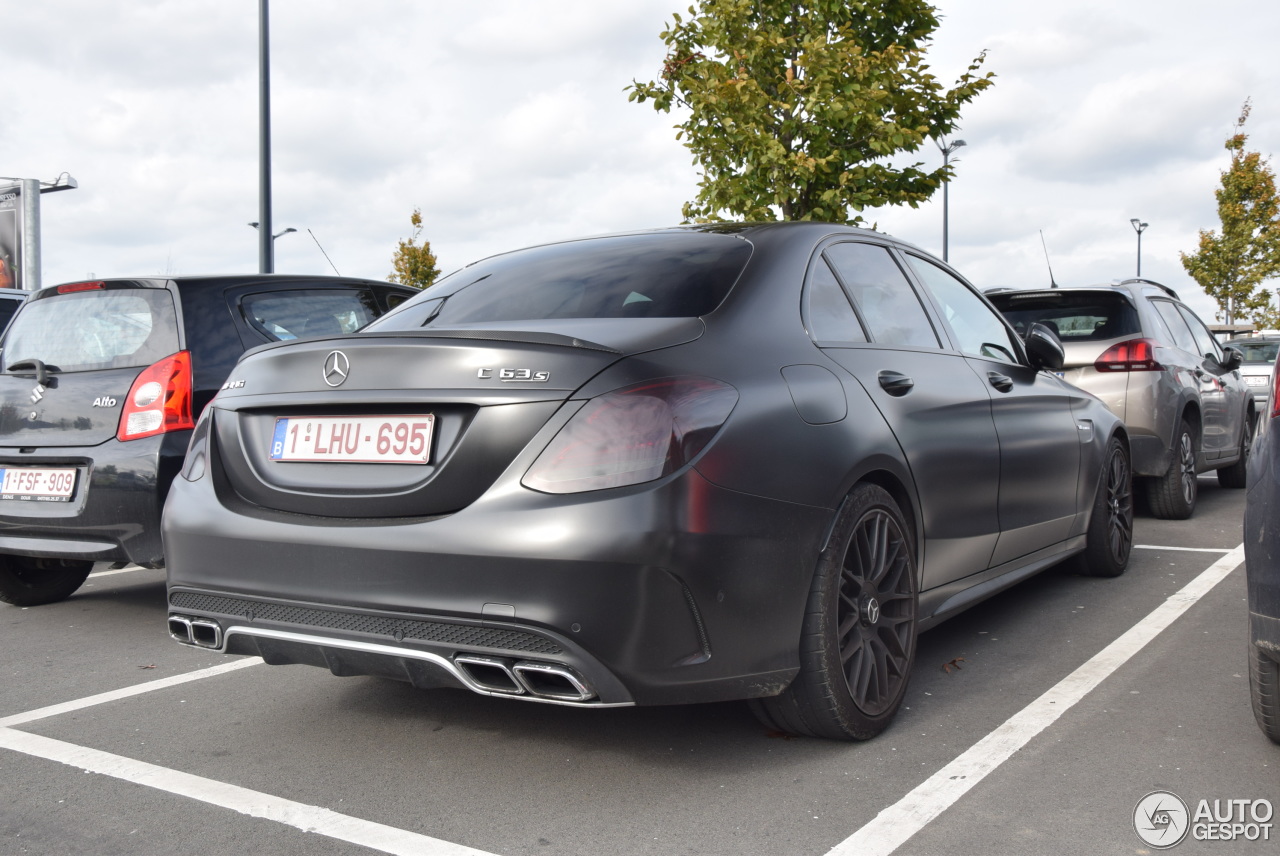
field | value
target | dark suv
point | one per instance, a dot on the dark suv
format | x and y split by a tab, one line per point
1155	364
101	384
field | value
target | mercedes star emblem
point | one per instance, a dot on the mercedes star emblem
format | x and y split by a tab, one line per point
336	368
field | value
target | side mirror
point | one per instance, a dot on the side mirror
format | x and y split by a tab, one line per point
1044	348
1233	359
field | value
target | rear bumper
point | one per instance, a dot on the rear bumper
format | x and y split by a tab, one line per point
679	592
114	514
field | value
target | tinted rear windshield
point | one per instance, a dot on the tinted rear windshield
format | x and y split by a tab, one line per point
1090	316
98	329
1257	352
681	275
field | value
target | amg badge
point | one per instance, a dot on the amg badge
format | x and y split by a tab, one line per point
514	375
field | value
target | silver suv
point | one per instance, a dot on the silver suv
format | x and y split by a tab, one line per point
1142	351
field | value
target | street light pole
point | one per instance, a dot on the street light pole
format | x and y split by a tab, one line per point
266	245
1139	227
946	150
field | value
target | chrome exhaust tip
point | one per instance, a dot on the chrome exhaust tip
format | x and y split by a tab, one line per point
490	674
206	633
180	629
551	681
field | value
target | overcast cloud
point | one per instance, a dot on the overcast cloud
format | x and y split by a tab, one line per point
507	124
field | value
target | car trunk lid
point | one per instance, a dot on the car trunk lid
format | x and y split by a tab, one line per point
332	427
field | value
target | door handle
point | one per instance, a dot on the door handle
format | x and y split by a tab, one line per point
1000	382
895	383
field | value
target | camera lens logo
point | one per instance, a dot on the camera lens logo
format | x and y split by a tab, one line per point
1161	819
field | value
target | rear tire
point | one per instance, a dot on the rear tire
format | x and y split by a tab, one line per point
858	641
25	581
1264	692
1172	496
1109	540
1234	475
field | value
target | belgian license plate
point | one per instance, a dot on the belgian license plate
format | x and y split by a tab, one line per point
37	484
353	439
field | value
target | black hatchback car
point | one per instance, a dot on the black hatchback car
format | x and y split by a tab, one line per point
688	465
101	385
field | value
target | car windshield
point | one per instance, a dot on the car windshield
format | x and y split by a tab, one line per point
1256	352
682	275
101	328
1088	316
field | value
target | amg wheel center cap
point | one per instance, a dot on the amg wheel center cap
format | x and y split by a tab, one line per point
871	610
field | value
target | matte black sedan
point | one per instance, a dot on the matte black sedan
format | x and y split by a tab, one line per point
688	465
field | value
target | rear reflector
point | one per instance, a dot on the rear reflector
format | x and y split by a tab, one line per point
159	400
80	286
1134	355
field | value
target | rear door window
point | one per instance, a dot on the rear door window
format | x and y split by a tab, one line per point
106	328
828	315
309	313
1182	337
1206	345
884	297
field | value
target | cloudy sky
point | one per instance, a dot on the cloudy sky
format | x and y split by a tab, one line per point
507	124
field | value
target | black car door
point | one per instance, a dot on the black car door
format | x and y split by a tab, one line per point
936	407
1039	436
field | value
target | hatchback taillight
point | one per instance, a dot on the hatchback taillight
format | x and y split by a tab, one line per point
159	400
632	435
1275	392
1134	355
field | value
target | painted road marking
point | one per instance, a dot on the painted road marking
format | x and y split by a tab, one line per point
128	570
896	824
1219	550
308	818
126	692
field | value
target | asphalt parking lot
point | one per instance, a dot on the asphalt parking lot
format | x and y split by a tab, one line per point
1034	723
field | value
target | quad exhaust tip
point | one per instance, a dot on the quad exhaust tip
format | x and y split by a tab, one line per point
540	680
200	632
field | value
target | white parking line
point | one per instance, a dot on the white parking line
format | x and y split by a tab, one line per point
128	570
126	692
1219	550
897	823
308	818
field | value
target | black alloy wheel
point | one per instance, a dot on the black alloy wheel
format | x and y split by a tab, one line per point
1173	495
1234	476
1109	540
859	639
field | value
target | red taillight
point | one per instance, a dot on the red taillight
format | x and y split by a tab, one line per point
1275	391
80	286
159	400
1135	355
633	435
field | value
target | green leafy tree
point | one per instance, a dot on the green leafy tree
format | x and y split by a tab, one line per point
794	107
1231	265
414	263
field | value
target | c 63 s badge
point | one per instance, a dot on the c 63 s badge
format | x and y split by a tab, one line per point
514	375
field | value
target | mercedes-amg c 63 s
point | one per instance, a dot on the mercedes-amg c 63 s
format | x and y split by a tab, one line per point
686	465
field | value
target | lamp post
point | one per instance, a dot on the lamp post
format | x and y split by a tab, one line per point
946	149
1139	227
23	238
266	248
